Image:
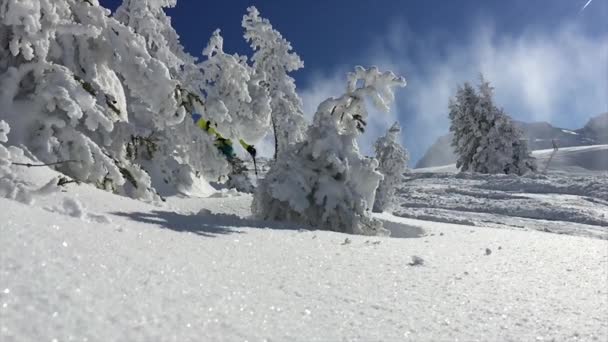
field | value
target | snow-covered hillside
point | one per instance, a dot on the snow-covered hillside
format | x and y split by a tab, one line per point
579	159
84	264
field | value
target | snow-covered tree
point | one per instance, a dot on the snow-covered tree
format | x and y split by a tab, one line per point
174	155
236	100
10	187
4	153
392	158
502	149
66	70
463	125
273	60
485	138
148	19
324	181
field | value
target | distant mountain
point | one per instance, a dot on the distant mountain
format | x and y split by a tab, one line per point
539	135
596	129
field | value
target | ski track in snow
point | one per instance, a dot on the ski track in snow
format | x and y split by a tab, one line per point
552	203
198	269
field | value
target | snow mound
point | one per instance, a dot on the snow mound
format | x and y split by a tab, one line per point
73	208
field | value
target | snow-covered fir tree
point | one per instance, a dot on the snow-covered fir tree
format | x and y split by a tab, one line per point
324	181
68	70
237	104
485	138
236	101
463	125
502	147
392	158
174	155
273	59
148	19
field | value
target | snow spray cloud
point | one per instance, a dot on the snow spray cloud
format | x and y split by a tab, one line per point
558	77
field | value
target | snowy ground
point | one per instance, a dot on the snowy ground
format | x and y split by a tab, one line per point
83	264
558	203
572	198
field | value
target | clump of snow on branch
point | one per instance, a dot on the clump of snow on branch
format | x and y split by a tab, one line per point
392	158
273	60
485	138
324	181
4	131
148	19
4	153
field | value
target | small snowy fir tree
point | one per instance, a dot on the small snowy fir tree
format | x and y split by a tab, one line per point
273	60
392	158
485	138
324	181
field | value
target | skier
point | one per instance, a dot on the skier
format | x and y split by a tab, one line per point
223	144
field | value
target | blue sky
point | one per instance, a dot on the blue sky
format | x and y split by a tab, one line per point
546	58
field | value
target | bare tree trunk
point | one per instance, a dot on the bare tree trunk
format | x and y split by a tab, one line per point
276	139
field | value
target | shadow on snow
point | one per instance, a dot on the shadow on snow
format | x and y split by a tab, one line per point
207	224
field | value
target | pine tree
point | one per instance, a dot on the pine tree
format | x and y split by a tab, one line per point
485	138
222	89
236	100
463	126
272	60
392	158
324	181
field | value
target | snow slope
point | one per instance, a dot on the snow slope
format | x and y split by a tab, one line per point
572	198
83	264
578	159
558	203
